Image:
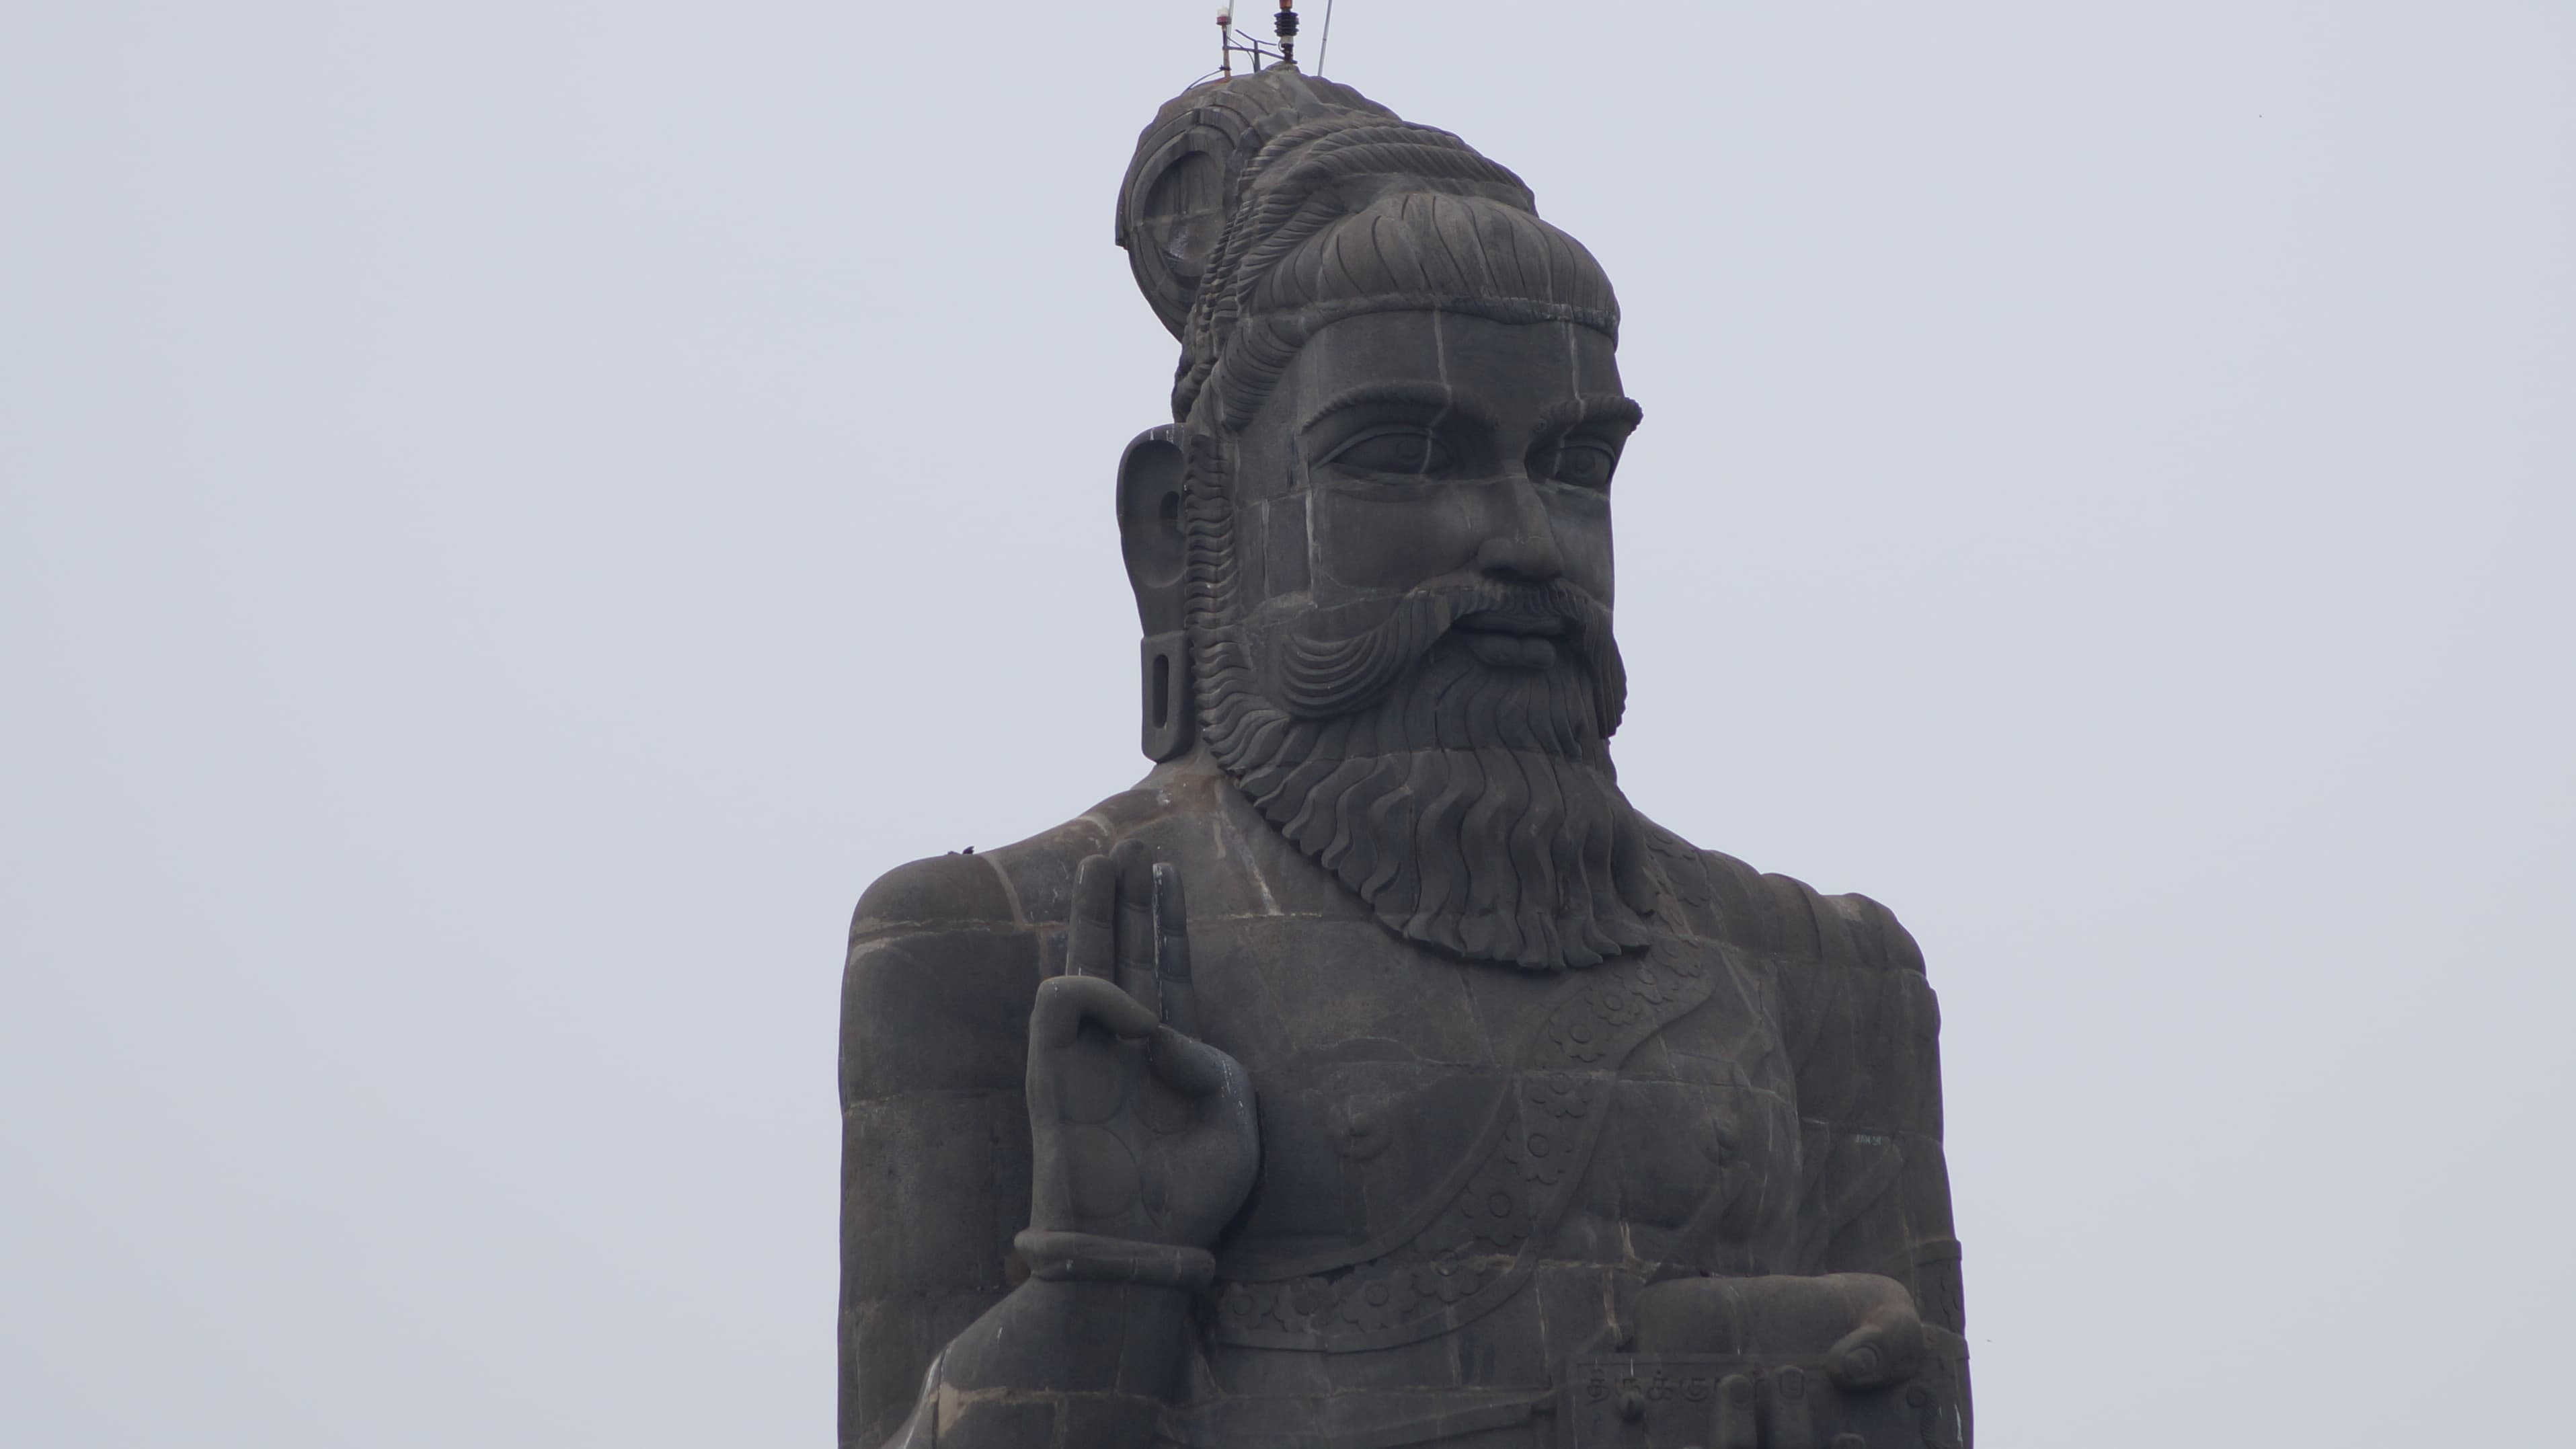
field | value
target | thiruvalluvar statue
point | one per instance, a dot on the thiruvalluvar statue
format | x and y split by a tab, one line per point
1372	1074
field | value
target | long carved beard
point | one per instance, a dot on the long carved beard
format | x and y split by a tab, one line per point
1471	804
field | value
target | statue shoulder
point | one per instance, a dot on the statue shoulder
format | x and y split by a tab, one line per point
945	957
1857	1012
960	888
1021	886
1780	915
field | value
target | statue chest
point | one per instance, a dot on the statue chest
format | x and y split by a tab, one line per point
1431	1128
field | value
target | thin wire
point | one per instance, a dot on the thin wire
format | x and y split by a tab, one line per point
1325	45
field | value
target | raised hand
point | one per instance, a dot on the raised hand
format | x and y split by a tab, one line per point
1140	1130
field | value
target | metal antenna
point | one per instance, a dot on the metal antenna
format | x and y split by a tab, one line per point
1230	45
1324	47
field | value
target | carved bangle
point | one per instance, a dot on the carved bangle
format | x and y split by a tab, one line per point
1088	1258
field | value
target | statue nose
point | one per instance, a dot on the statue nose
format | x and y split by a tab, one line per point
1525	549
1530	559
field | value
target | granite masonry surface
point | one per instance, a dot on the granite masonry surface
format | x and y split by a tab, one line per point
1372	1074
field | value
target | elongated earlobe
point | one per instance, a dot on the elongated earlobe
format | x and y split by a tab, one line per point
1169	709
1149	534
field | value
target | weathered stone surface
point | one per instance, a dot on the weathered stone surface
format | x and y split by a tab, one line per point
1372	1074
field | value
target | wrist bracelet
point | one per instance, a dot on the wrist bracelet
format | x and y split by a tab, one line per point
1089	1258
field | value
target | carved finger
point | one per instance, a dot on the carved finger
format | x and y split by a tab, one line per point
1177	993
1887	1348
1091	940
1738	1417
1135	863
1189	1066
1065	1002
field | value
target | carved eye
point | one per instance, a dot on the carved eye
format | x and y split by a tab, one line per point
1580	462
1411	452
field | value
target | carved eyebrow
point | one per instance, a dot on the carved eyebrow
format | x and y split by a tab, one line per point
1600	408
1436	397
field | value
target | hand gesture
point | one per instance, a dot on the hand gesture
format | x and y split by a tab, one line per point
1139	1130
1862	1325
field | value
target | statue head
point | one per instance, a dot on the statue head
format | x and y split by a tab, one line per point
1372	552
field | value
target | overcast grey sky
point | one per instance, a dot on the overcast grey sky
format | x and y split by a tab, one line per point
512	514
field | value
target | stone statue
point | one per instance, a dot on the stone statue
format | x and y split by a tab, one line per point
1372	1074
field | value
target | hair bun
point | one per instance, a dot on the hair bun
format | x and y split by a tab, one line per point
1186	178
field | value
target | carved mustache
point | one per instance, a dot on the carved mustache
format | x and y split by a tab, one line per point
1317	675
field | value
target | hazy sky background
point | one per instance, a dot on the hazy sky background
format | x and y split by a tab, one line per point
512	514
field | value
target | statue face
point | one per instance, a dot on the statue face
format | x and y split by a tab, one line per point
1414	448
1417	681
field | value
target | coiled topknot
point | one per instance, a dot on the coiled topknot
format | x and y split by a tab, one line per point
1260	210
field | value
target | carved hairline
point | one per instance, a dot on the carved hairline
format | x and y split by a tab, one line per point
1336	167
1238	396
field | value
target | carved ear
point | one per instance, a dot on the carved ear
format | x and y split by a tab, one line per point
1149	525
1149	534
